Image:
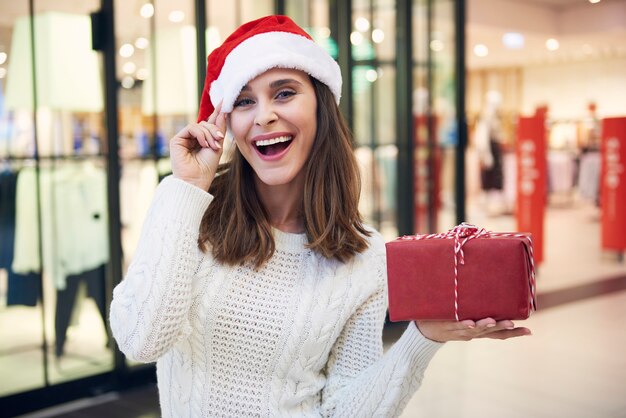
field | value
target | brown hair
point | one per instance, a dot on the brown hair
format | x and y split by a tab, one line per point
236	226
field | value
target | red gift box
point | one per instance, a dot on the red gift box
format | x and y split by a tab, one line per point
465	273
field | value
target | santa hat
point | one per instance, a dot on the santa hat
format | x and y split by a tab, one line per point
257	46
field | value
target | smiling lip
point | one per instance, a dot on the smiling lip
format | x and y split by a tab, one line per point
271	136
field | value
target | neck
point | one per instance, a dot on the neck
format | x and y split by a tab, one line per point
283	204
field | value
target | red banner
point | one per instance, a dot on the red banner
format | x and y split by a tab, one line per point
531	179
613	184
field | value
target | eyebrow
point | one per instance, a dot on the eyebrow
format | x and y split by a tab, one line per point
276	83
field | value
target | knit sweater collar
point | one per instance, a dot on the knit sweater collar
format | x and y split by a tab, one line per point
288	241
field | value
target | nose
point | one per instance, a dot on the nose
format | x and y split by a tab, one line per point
265	114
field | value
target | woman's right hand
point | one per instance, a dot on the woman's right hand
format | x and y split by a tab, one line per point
195	151
443	331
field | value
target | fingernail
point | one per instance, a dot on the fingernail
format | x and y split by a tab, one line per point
471	326
217	144
510	327
221	135
491	325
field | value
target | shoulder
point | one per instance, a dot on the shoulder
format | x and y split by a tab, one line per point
376	243
371	263
365	264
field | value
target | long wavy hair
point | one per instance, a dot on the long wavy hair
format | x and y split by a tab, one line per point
235	226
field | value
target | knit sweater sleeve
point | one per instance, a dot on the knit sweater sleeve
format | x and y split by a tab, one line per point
149	311
361	381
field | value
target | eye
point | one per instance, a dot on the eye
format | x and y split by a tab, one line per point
285	94
244	101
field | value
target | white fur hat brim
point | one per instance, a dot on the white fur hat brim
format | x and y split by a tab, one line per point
268	50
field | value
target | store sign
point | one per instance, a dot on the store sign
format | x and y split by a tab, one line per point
531	179
613	183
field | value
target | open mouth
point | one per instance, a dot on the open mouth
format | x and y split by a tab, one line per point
273	146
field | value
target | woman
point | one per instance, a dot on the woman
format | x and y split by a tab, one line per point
256	287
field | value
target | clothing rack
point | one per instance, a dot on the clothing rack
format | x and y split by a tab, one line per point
79	157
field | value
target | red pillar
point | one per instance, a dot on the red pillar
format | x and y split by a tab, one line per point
531	179
613	184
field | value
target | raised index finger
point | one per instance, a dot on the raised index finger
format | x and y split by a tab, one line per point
213	117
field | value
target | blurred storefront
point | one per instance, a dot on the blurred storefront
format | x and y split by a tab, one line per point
91	92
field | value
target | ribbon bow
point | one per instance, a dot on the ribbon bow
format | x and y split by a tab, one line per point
462	234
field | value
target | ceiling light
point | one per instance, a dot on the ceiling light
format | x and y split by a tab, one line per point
513	40
127	50
371	75
552	44
176	16
481	50
378	35
129	67
147	10
141	43
362	24
436	45
3	57
356	38
128	82
594	1
142	74
324	32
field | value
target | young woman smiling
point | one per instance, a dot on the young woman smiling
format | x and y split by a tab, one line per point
257	288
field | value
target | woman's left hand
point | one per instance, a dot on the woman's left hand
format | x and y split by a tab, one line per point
443	331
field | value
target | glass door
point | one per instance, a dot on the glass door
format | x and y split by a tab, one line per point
55	244
372	40
435	130
157	68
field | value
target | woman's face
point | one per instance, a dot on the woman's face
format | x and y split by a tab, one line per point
274	124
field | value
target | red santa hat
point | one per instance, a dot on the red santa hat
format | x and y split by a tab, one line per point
257	46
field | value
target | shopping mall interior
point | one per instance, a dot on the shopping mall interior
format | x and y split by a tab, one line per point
532	138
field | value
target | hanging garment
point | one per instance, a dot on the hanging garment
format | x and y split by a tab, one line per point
561	171
22	289
28	201
8	184
492	177
80	229
74	221
67	301
589	176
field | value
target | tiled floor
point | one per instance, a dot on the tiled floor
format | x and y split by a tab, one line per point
574	364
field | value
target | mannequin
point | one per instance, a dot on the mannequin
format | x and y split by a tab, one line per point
488	140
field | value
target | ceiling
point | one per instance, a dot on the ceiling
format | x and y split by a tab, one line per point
584	30
555	3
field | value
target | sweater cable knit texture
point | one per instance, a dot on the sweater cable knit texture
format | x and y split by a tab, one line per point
299	337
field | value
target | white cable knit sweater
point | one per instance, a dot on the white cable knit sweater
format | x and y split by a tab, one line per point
299	337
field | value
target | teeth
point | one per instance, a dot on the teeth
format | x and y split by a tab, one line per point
266	142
